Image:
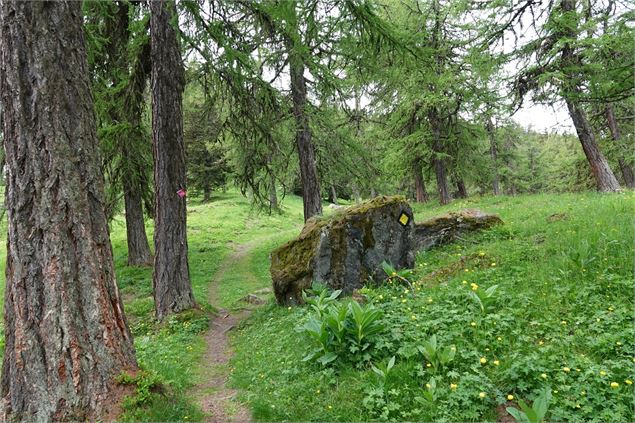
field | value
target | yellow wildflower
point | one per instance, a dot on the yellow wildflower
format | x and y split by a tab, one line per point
543	375
628	382
510	397
496	362
453	386
474	324
483	360
602	373
614	385
482	395
474	286
566	369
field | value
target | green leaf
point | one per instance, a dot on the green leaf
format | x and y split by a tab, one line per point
518	415
391	363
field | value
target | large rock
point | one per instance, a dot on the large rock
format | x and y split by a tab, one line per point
446	228
344	251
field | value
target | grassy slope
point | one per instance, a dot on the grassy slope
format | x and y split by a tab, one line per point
565	300
576	270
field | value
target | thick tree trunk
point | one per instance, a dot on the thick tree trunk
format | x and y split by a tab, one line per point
604	177
138	247
304	142
171	278
493	151
627	171
421	195
65	332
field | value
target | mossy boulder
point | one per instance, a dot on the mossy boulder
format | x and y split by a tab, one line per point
446	228
345	250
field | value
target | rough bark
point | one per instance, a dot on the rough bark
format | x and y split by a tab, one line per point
604	177
421	195
627	170
65	331
304	138
493	152
171	278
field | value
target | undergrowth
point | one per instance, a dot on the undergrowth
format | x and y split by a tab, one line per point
539	304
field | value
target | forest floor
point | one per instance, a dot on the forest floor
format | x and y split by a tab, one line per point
560	320
217	401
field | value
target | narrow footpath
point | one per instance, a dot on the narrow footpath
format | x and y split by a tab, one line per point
217	400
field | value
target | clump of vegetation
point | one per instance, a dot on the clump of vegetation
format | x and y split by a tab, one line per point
343	331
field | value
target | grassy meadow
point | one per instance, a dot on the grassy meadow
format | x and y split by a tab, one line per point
560	319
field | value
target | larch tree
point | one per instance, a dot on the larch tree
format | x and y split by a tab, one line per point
66	336
554	65
171	277
120	62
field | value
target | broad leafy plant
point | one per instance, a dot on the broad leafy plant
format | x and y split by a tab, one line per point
437	356
534	414
484	298
321	298
340	330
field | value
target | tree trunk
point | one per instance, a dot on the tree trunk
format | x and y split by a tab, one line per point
273	195
421	195
132	171
438	161
171	278
304	142
604	177
207	193
66	336
460	187
333	195
493	151
627	171
138	247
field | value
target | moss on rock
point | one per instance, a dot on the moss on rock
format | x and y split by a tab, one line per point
344	251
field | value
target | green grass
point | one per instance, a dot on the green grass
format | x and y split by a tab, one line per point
577	270
169	351
563	309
